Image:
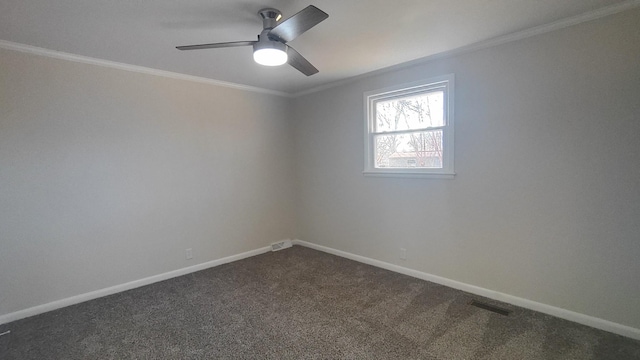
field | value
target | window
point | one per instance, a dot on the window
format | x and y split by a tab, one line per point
409	129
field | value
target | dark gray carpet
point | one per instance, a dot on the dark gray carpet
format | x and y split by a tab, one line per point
301	304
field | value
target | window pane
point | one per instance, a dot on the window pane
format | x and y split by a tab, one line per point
411	112
421	149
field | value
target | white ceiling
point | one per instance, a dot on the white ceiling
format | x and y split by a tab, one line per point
358	37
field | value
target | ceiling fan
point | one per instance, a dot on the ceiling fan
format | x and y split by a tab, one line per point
271	48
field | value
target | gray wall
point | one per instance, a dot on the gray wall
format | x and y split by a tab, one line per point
546	201
107	176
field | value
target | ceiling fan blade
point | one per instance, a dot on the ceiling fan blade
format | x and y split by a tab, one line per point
300	63
294	26
216	45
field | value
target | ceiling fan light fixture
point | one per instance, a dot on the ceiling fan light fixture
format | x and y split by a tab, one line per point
271	48
270	53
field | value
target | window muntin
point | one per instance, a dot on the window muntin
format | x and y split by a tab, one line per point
410	129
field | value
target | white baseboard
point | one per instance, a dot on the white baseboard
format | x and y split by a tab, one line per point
495	295
583	319
21	314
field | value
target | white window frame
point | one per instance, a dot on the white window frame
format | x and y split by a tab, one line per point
445	83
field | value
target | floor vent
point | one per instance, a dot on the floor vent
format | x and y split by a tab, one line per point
489	307
281	245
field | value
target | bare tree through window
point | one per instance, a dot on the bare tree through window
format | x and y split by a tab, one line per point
410	131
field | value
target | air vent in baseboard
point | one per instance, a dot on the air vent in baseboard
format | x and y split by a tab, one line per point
281	245
489	307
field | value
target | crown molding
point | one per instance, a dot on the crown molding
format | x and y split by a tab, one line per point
493	42
9	45
519	35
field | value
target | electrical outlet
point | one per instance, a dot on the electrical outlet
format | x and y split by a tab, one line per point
188	254
403	254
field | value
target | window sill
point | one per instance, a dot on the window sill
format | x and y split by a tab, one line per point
408	174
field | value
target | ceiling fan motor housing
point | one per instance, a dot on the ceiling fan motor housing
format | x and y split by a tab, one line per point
264	42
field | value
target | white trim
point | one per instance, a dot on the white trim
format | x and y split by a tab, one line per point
403	173
444	83
54	305
481	45
557	25
133	68
583	319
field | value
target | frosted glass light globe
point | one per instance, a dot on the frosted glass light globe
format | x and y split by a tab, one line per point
270	56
